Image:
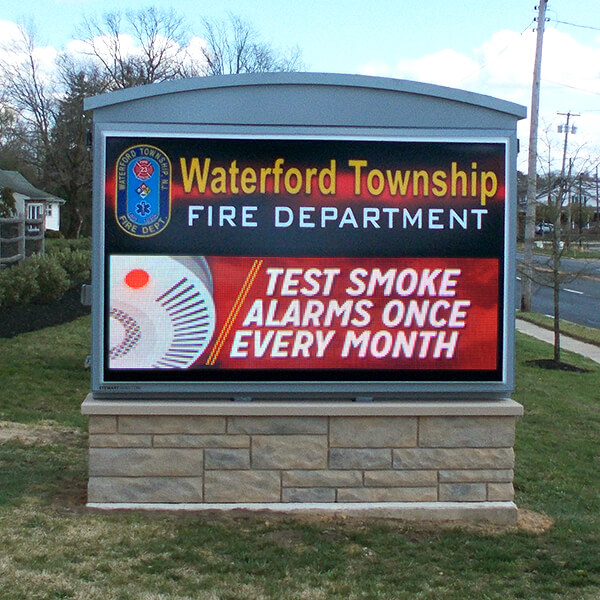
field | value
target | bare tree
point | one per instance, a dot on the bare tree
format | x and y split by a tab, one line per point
41	112
556	188
157	52
13	150
28	93
234	46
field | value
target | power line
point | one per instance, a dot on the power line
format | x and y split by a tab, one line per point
492	58
576	25
572	87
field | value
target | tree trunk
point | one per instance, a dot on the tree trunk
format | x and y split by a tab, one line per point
556	297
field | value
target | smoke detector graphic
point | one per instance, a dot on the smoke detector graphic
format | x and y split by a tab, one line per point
162	314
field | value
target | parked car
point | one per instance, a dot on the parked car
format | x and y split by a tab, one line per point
544	227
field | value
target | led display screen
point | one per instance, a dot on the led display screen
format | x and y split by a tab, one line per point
252	259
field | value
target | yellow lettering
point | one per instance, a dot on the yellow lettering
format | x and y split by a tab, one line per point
264	173
375	182
473	179
398	181
358	165
489	186
292	174
424	177
218	184
194	173
310	173
440	187
330	176
455	176
233	172
248	180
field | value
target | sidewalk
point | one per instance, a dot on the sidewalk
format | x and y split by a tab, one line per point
566	343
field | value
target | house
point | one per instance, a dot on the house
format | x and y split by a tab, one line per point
30	202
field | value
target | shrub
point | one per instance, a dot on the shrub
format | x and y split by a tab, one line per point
54	235
19	284
77	264
38	279
52	279
54	245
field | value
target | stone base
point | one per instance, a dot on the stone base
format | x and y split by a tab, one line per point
497	513
423	460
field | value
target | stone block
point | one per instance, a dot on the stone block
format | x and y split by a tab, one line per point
277	425
401	494
145	489
242	486
289	452
322	478
453	458
226	458
145	462
500	492
100	424
201	441
115	440
476	475
462	492
400	478
360	458
466	432
373	432
308	495
171	424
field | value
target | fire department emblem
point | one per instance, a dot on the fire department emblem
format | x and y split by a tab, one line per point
143	190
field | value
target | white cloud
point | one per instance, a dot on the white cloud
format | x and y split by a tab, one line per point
447	67
376	69
195	50
8	31
503	67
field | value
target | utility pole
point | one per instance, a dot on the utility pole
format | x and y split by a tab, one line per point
527	271
565	185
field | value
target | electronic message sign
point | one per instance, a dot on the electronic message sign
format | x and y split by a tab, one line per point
252	265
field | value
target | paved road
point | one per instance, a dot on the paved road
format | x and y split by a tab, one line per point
580	295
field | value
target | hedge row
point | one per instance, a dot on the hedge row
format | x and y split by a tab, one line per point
44	279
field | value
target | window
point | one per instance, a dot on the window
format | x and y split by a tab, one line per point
34	211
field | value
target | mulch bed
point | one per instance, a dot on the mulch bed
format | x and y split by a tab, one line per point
21	319
549	363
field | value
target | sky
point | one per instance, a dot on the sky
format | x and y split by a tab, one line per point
477	45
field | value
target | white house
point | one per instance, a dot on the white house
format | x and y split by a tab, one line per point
31	202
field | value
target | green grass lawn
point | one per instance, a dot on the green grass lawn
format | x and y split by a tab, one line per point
52	547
